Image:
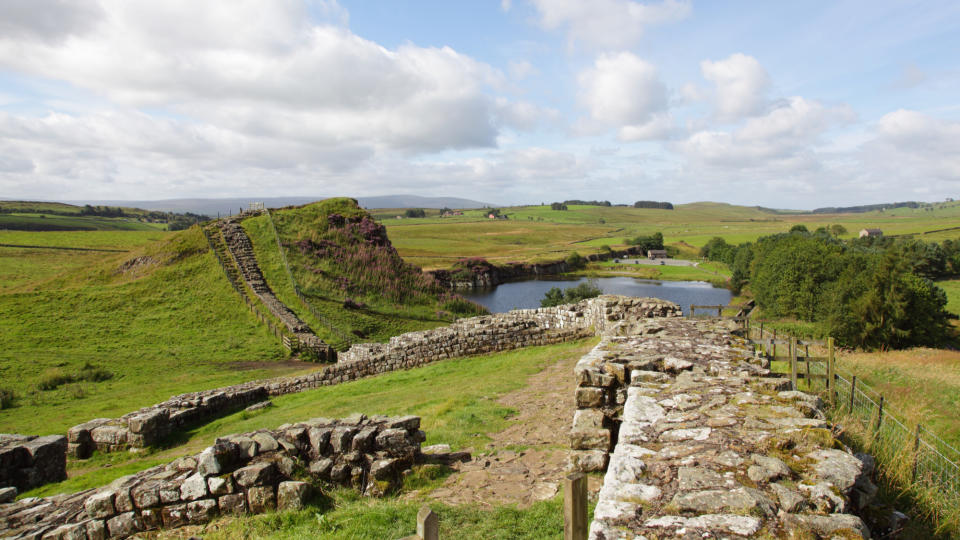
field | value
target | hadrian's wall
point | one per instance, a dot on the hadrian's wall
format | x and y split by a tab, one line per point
248	473
476	335
699	441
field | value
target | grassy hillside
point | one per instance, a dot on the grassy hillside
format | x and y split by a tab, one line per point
349	272
118	331
51	222
537	232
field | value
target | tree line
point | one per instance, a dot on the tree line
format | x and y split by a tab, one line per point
874	293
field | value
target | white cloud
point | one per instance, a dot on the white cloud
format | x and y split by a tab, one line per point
608	23
784	138
741	85
259	67
912	148
47	20
660	126
521	69
623	90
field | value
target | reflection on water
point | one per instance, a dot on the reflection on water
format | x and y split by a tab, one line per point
527	294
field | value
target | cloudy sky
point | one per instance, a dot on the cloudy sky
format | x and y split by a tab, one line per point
783	104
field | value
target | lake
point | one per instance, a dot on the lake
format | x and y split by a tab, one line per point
528	293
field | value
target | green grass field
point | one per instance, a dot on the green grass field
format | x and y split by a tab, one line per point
456	399
51	222
952	288
159	329
537	232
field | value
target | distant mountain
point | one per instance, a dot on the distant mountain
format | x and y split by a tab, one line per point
212	207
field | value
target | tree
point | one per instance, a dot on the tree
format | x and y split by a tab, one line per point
558	206
415	213
799	228
556	297
575	261
838	230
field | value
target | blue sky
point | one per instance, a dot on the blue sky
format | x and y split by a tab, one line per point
789	105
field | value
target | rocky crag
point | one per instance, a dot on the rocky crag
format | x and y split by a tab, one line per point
705	444
482	274
249	473
475	335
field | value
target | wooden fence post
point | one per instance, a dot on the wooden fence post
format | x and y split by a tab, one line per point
575	507
793	362
831	384
773	344
427	525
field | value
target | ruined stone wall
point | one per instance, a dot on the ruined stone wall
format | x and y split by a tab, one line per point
28	461
248	473
476	335
706	444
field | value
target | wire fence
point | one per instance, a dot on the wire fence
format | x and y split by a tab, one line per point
344	337
909	454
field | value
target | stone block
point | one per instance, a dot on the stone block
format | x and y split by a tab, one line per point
340	439
261	498
233	503
109	435
320	468
219	485
266	442
408	423
152	518
248	447
588	460
193	488
590	439
319	438
124	525
174	515
201	511
96	529
220	458
148	422
590	398
100	505
7	494
364	439
292	495
146	495
258	474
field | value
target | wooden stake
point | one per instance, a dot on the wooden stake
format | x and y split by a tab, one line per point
575	507
427	525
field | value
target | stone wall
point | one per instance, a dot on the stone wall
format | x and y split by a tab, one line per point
248	473
706	444
28	461
486	275
476	335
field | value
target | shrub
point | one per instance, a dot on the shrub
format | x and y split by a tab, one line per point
6	398
576	261
459	305
572	295
53	378
93	373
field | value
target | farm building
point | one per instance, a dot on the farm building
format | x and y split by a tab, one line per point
870	232
656	254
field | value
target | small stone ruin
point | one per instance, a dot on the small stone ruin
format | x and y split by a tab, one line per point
249	473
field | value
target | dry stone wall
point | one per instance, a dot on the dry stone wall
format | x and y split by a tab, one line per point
28	461
476	335
242	251
705	444
239	474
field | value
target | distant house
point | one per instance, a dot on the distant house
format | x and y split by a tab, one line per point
870	232
492	216
657	254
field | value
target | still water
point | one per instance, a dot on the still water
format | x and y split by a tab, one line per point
528	293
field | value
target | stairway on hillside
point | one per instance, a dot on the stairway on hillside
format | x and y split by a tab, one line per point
241	250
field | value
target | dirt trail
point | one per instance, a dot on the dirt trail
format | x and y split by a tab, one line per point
526	462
